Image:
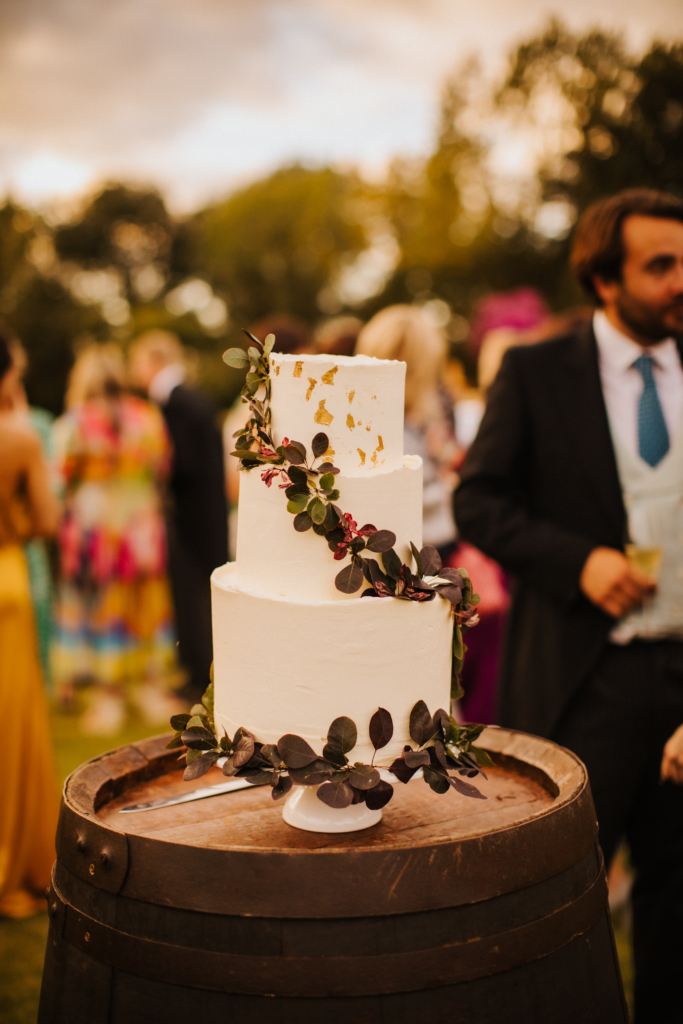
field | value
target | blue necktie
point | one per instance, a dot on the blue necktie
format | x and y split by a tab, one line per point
653	437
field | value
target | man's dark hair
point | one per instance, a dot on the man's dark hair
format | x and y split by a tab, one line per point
598	246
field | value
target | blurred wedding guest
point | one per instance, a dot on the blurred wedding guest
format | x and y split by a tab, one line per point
338	336
292	336
28	804
113	617
575	484
37	557
404	333
197	520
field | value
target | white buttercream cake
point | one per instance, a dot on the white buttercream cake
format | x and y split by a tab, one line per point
291	652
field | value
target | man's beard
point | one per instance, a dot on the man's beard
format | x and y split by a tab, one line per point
648	322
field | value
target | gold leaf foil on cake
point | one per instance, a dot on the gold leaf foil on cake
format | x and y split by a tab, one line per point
349	422
277	370
378	449
298	367
322	415
362	456
351	396
328	378
311	384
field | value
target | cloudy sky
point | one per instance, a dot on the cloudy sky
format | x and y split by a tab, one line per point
197	96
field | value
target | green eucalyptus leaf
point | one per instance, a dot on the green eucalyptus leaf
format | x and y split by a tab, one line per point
297	504
332	495
179	722
236	357
268	344
175	742
316	511
327	481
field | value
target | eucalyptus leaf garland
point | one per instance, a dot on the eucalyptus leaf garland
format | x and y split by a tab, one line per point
444	750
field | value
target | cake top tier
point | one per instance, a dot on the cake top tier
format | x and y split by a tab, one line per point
356	400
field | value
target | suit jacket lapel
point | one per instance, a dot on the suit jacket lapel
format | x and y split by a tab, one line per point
590	426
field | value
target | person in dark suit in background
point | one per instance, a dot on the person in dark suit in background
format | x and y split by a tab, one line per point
580	452
197	521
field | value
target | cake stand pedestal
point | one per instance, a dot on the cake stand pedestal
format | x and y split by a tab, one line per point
305	811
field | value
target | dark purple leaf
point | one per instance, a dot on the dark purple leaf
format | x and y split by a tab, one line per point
466	788
440	753
319	529
436	781
442	724
381	541
452	594
418	559
259	777
320	444
294	489
328	467
295	751
342	735
293	455
391	563
282	788
200	766
302	522
357	545
359	796
198	738
376	575
416	758
313	774
334	536
400	769
242	751
381	728
335	756
421	724
379	796
335	794
363	776
367	530
452	575
431	561
178	722
331	520
297	476
269	752
370	592
350	579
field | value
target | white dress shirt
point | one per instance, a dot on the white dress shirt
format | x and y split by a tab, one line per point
165	381
622	385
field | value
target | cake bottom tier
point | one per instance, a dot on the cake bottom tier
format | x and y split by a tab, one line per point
283	666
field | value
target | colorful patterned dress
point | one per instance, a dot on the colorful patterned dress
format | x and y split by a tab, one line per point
113	618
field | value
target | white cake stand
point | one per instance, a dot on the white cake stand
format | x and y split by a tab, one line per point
303	810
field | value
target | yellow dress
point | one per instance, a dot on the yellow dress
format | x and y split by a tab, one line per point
28	790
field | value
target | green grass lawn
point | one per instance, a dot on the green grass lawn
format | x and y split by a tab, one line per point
22	943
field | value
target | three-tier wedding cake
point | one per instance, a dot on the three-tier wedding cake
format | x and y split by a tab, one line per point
291	651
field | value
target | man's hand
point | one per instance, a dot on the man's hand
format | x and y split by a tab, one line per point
609	580
672	762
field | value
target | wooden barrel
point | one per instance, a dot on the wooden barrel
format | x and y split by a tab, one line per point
450	909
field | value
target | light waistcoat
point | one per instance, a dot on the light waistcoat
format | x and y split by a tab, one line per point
653	497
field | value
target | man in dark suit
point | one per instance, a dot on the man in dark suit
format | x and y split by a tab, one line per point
197	520
578	429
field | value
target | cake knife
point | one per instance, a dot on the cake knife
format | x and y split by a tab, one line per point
197	794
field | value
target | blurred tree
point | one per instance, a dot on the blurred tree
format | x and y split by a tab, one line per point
38	307
276	244
129	233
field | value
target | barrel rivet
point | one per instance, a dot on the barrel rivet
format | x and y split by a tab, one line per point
91	869
87	936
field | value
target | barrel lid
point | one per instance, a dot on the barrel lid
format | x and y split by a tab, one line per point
233	854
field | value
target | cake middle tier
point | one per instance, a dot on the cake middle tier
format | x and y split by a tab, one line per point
273	559
285	666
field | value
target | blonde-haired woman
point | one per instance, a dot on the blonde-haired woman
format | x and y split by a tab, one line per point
405	333
113	620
